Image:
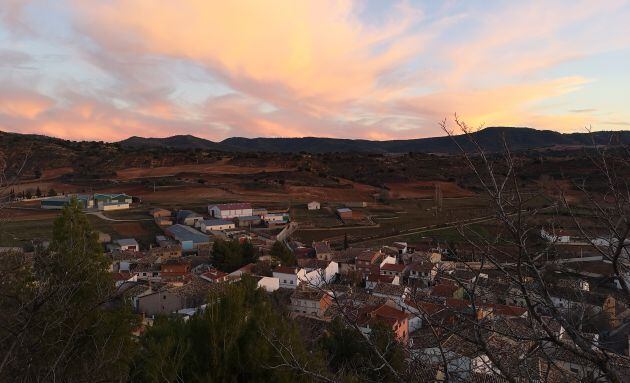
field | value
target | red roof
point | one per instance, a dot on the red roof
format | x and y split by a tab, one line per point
424	307
396	267
233	206
443	290
380	278
505	310
382	313
214	274
285	270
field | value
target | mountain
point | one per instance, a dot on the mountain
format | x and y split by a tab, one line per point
491	139
177	142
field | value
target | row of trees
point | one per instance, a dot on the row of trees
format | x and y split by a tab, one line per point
30	193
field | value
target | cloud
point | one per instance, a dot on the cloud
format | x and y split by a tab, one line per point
286	68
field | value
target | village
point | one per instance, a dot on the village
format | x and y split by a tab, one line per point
419	290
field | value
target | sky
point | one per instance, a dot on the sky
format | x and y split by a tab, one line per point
110	69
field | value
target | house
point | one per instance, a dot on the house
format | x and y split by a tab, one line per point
421	273
393	269
344	213
160	213
164	253
259	211
112	201
215	276
230	210
289	277
269	284
313	205
322	250
188	218
127	244
248	221
310	302
58	203
189	238
319	273
169	300
366	262
385	314
372	280
401	247
173	270
276	218
208	225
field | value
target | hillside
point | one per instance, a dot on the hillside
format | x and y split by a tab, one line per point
489	138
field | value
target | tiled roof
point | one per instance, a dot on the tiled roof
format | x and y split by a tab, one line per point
214	274
396	267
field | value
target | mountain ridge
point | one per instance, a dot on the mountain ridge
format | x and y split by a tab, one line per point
491	139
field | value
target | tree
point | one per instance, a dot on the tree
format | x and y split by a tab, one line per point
38	192
60	320
281	252
231	255
28	194
51	192
233	340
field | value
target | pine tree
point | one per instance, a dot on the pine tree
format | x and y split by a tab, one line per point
65	324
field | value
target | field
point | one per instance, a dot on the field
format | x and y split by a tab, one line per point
397	209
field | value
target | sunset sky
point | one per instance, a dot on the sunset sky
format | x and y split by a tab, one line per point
111	69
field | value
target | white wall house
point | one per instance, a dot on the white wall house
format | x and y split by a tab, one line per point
314	205
209	225
230	210
127	244
320	276
289	277
270	284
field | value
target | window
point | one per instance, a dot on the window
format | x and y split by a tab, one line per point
291	281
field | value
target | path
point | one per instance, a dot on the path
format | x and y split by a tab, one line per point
105	218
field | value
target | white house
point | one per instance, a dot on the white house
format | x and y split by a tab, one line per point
270	284
128	244
317	277
230	210
289	277
276	218
314	205
209	225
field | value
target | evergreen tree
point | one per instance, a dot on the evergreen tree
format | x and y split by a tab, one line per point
231	341
38	192
281	252
52	192
62	324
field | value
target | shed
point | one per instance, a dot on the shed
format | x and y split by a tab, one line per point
344	213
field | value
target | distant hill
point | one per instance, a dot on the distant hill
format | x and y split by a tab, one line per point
490	139
178	142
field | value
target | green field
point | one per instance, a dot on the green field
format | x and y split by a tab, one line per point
20	233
